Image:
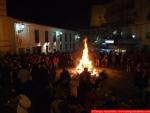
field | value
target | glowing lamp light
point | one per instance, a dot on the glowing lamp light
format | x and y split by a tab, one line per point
123	50
77	37
114	32
109	41
58	33
20	27
133	36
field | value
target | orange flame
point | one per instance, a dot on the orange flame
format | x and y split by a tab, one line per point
85	62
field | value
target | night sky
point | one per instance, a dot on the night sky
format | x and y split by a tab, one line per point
59	13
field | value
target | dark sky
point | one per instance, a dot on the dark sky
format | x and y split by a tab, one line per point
60	13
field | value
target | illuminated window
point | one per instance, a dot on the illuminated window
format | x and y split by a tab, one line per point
46	36
36	33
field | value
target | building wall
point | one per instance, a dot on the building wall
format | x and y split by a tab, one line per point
127	11
120	12
3	8
90	33
26	38
7	43
131	15
141	31
97	15
13	41
22	37
142	10
7	35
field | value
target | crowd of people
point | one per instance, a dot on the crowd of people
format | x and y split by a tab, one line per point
128	61
29	83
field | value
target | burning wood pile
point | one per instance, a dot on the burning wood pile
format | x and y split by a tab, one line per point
85	62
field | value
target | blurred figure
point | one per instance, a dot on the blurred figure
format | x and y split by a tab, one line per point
24	104
100	81
64	81
85	85
141	82
60	103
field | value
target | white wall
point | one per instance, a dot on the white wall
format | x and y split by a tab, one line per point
27	38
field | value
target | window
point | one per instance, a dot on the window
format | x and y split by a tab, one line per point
46	36
54	36
60	38
65	37
70	46
36	33
60	46
70	37
66	47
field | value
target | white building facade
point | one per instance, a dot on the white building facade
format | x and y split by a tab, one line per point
36	38
18	36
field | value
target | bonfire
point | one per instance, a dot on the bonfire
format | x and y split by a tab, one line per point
85	62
